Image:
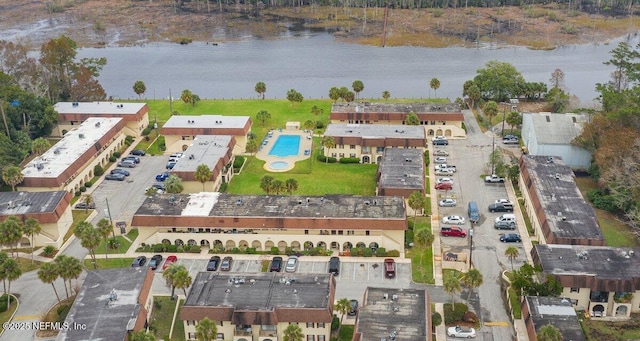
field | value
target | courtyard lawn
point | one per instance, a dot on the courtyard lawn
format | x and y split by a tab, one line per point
111	263
162	317
422	258
124	243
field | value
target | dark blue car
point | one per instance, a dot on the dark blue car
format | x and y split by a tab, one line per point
162	177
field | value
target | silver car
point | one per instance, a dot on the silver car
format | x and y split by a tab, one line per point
292	264
447	203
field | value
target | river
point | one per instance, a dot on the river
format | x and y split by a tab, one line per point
311	63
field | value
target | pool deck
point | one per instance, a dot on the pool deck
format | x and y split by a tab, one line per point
264	149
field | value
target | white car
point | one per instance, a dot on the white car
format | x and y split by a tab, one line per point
447	203
453	220
440	152
445	171
445	180
438	137
463	332
504	201
440	159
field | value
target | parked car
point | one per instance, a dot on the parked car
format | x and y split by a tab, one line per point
510	238
462	332
446	167
500	208
170	260
127	164
176	155
121	171
155	262
447	203
440	142
438	137
276	264
440	152
138	152
159	186
510	139
445	180
440	159
226	264
452	231
116	176
170	165
504	225
334	266
139	261
162	177
132	157
84	206
444	186
353	308
292	264
389	268
445	172
213	263
493	179
453	219
504	201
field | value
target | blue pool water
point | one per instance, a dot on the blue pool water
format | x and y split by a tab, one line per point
278	165
286	145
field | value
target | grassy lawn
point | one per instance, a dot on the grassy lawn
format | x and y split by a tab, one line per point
110	263
615	232
5	315
346	333
422	258
26	266
612	331
124	243
162	316
78	216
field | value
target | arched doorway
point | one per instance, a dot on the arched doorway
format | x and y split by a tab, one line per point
308	245
447	132
184	147
230	244
347	246
217	245
322	245
598	310
243	244
25	242
379	159
256	244
439	132
295	246
179	242
335	246
373	245
166	242
268	245
622	310
191	242
366	159
361	245
430	132
204	243
282	246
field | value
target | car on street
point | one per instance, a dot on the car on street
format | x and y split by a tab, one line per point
461	332
440	159
500	208
116	176
292	264
212	265
127	164
441	142
83	205
452	231
353	308
226	264
139	261
440	152
445	180
276	264
447	203
155	262
170	260
132	157
162	177
453	219
120	171
444	186
504	225
138	152
510	238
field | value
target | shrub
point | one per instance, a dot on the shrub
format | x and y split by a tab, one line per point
237	163
367	252
64	131
601	200
172	248
235	250
158	248
223	187
381	252
78	193
113	158
393	253
251	251
146	131
48	251
88	184
113	243
274	250
117	154
128	140
335	323
323	158
455	315
426	158
349	160
83	189
98	170
3	303
319	125
436	319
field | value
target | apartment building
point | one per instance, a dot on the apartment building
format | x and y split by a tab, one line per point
401	172
539	311
72	114
180	131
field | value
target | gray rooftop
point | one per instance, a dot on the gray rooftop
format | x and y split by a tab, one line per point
375	131
260	291
98	108
228	205
106	316
603	262
567	212
557	312
367	107
72	146
206	121
19	203
378	316
205	149
402	168
557	128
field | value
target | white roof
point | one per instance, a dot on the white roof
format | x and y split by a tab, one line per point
206	121
557	128
98	108
72	146
200	204
205	149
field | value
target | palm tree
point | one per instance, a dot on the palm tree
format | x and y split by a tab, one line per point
203	174
30	228
40	145
252	146
11	232
10	271
206	330
328	142
452	285
261	88
309	124
357	87
490	109
3	258
263	116
87	199
277	186
434	84
169	273
265	183
291	185
386	95
182	279
90	238
424	239
549	332
512	253
417	202
472	279
105	228
69	268
173	184
139	88
142	335
12	176
513	119
293	332
48	273
343	306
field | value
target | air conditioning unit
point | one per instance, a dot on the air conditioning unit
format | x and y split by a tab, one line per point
81	136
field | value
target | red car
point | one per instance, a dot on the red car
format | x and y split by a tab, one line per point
452	231
444	186
170	260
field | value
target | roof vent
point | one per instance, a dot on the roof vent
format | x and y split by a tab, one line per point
11	204
557	176
548	118
367	202
239	202
631	252
75	104
81	136
97	124
394	297
565	301
56	151
228	291
549	159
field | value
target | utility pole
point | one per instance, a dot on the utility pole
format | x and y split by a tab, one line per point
110	220
471	246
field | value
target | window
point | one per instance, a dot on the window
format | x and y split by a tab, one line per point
341	154
341	146
366	233
191	336
311	338
333	232
306	231
333	155
320	337
352	155
575	289
350	232
309	324
321	325
340	232
353	146
433	122
220	336
380	150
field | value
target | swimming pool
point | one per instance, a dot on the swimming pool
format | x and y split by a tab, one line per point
279	165
286	145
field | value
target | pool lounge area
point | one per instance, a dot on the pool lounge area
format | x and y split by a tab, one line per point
282	148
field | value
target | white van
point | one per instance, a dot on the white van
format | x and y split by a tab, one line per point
507	218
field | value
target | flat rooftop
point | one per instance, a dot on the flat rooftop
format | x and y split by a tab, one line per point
19	203
206	121
567	212
375	131
402	168
603	262
107	316
417	108
228	205
73	145
205	149
557	128
98	108
260	291
557	312
378	317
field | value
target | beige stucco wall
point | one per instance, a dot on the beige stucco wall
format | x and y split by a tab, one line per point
176	144
228	329
341	151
